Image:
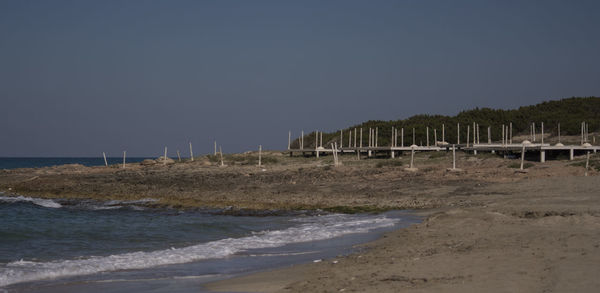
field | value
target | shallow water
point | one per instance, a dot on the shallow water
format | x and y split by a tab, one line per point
54	246
13	163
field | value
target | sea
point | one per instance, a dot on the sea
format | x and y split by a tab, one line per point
33	162
65	245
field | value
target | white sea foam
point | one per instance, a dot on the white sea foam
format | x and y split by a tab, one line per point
310	229
48	203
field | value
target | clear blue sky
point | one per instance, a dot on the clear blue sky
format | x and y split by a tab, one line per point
81	77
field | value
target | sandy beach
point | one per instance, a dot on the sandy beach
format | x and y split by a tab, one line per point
486	229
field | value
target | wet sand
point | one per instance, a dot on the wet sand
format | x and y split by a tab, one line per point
487	229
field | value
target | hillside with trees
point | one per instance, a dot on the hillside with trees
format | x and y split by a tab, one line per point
568	112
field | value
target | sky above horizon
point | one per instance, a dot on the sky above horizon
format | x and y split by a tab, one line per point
78	78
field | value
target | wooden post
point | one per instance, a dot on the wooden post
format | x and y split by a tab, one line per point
361	140
317	143
587	162
468	134
434	137
376	135
533	131
370	132
105	162
427	133
124	155
354	137
259	155
558	132
443	134
165	157
522	156
413	137
542	133
453	157
457	133
289	139
192	153
221	154
474	136
402	136
321	135
302	140
178	156
350	138
581	133
503	135
510	136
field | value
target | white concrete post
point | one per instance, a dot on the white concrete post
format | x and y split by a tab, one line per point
533	131
178	156
489	135
370	132
510	136
503	137
542	156
289	139
571	153
105	162
376	136
558	132
354	137
124	155
215	147
412	157
192	152
341	138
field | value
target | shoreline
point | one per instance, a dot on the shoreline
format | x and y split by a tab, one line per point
501	246
489	228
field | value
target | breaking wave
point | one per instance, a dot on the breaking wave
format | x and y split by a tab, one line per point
309	229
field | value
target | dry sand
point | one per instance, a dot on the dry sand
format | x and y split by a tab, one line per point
487	229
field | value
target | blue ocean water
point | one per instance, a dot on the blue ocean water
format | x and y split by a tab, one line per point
14	163
90	246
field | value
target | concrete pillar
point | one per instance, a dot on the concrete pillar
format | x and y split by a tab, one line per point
571	152
542	156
